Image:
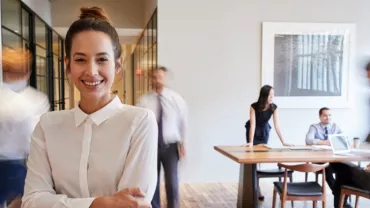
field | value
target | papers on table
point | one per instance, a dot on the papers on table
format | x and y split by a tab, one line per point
300	148
326	147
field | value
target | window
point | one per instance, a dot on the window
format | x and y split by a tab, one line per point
308	65
11	15
22	28
145	59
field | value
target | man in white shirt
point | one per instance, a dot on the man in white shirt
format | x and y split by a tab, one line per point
318	134
171	112
20	108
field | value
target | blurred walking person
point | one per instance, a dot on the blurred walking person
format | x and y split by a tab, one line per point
20	109
171	112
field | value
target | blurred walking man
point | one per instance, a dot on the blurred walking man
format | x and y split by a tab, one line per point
171	112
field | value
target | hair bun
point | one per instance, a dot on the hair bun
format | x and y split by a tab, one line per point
94	13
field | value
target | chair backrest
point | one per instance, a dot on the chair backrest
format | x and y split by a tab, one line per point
368	138
307	167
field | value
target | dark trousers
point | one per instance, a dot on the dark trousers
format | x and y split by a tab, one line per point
329	177
12	179
168	156
349	174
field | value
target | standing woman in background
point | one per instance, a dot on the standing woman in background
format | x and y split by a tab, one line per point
102	153
258	127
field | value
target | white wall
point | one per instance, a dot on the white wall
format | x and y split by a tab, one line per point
40	7
214	50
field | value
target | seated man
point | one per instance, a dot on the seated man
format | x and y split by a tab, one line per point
318	135
348	174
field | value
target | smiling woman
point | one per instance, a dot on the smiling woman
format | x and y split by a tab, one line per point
112	147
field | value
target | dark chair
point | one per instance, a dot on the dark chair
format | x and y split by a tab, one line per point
273	173
300	191
348	190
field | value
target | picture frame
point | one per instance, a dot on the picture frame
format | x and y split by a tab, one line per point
308	64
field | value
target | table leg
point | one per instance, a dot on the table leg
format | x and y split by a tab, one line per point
247	192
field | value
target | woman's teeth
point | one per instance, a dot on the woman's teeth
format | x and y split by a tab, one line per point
92	83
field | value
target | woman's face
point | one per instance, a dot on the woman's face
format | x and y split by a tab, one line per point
92	65
270	98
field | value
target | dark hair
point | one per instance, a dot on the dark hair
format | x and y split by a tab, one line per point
322	110
161	68
95	19
367	66
263	97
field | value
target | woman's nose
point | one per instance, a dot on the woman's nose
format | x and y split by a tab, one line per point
92	68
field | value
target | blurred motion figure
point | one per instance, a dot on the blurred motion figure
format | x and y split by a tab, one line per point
20	109
171	112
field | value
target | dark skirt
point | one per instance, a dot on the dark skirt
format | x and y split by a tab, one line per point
261	133
12	179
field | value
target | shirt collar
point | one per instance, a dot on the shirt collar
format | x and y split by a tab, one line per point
99	116
16	86
325	125
165	93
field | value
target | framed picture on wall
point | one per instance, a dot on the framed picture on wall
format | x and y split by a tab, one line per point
308	64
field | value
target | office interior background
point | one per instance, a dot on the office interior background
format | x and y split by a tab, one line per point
213	51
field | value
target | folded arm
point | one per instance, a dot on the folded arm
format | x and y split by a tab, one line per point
39	191
140	169
311	140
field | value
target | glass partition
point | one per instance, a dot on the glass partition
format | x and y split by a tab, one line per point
145	59
22	28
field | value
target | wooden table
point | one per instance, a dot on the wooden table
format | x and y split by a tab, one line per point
248	157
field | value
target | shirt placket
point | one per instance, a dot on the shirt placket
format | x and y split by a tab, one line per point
85	158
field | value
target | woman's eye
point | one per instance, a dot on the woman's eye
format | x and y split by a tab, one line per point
79	60
102	59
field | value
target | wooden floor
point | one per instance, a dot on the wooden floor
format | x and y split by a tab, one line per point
223	195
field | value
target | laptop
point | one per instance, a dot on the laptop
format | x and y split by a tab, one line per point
340	145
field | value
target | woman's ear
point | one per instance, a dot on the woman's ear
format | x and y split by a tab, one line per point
118	65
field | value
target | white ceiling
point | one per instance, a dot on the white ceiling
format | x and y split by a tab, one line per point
129	17
122	13
127	36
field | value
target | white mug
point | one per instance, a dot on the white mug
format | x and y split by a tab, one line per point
356	142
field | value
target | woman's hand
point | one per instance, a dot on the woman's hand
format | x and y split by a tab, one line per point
288	145
247	145
124	198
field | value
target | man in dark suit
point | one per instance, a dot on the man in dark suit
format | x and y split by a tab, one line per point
350	174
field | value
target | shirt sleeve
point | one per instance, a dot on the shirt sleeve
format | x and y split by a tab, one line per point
184	121
39	187
310	136
140	169
254	106
338	129
275	106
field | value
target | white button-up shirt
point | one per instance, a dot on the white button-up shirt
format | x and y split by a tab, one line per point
76	157
20	110
174	116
